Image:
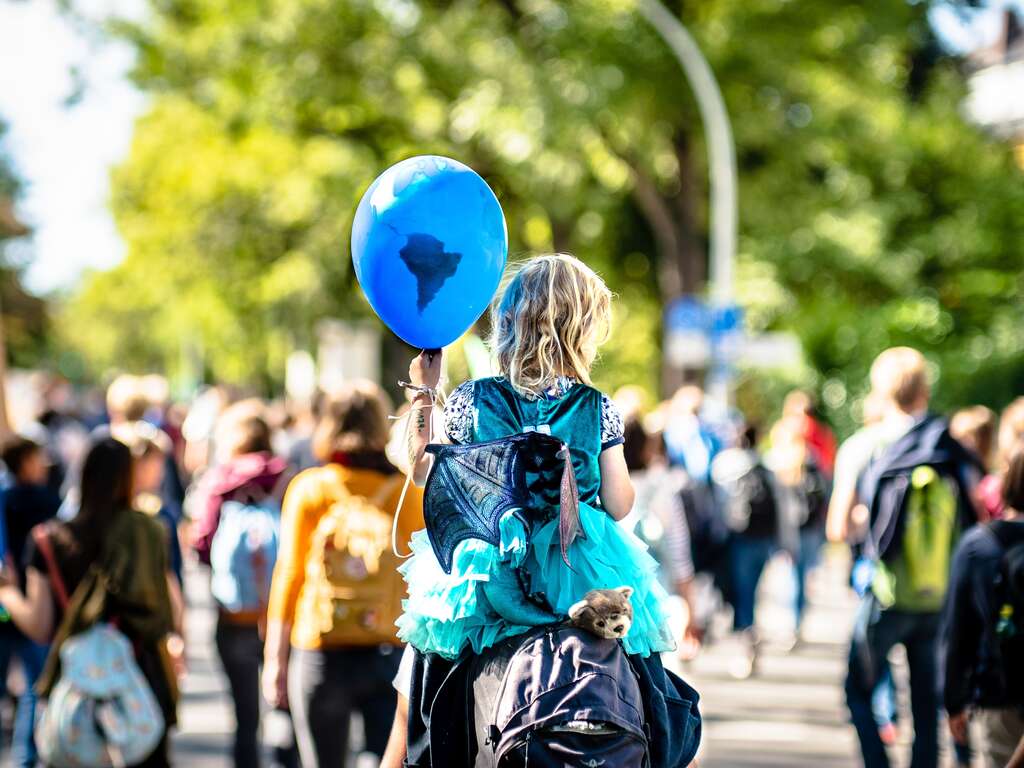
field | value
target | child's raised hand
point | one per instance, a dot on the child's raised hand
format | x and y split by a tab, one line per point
425	369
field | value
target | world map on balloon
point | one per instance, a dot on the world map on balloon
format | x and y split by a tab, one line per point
429	245
430	264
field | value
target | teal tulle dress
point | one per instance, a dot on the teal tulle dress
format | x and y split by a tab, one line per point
482	600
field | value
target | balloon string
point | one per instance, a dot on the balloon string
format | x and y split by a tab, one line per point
412	464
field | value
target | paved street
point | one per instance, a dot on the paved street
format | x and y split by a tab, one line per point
792	712
791	715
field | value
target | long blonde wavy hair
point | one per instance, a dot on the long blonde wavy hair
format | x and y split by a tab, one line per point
549	321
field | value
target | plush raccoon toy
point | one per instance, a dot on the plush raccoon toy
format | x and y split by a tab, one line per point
606	613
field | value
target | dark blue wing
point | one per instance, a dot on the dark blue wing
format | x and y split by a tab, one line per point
470	487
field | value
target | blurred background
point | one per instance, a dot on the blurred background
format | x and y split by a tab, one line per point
178	178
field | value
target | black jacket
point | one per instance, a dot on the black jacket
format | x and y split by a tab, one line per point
972	673
885	483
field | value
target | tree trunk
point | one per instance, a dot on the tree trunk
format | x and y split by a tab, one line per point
682	258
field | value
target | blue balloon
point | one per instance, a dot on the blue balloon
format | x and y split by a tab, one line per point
429	246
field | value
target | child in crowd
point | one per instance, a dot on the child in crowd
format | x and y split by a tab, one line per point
548	325
26	503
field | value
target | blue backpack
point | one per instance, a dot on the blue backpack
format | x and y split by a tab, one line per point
243	553
102	712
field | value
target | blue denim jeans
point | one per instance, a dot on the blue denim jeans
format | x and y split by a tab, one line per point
747	558
883	698
876	632
32	657
805	558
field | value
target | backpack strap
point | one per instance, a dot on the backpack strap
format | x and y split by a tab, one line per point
41	537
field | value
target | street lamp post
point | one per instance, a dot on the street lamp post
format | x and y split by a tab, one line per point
721	156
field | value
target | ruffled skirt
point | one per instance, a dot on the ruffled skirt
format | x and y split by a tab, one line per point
482	601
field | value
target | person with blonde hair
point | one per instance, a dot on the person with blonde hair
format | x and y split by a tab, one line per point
127	399
802	490
913	478
548	324
150	448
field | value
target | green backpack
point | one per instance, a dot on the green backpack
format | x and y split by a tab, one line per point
917	578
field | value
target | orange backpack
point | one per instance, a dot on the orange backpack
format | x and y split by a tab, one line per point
352	579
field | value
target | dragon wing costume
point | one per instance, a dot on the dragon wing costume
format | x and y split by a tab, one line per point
470	487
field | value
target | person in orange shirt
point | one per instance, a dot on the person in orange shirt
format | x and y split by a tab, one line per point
331	640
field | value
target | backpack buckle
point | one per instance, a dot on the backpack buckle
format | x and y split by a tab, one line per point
493	736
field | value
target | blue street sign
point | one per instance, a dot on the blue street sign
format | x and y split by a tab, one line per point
688	314
726	320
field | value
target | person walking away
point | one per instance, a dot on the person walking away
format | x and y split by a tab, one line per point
130	399
150	447
752	514
846	522
918	502
239	499
691	444
975	429
803	491
26	503
983	629
659	519
107	565
1010	433
331	641
799	409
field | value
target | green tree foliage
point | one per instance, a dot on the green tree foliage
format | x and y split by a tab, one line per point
25	320
871	214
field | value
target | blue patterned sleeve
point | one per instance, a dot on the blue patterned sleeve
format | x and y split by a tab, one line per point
612	429
460	414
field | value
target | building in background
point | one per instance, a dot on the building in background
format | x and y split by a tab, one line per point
995	97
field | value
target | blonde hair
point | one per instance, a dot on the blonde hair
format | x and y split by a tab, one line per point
975	427
1011	431
127	398
550	320
142	438
900	374
352	420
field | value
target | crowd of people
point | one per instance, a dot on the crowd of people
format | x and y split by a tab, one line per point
295	510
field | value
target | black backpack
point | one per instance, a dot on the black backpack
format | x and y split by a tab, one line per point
562	698
755	512
1008	616
709	534
814	494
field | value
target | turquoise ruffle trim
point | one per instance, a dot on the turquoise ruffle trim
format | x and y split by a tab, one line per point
446	613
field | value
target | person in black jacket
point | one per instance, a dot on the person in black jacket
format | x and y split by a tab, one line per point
977	682
27	502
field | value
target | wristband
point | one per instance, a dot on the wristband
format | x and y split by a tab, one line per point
430	391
